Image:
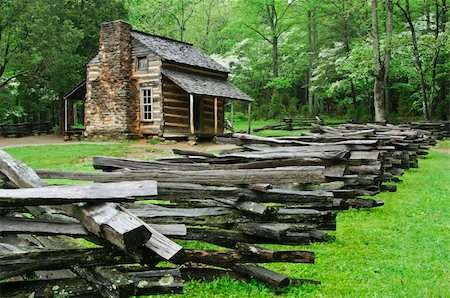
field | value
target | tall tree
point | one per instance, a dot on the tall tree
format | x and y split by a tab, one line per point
163	17
418	62
440	38
181	11
274	20
313	50
444	59
381	62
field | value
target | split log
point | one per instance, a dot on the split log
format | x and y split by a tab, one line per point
227	217
27	262
295	256
365	155
276	154
110	222
335	171
158	281
208	273
163	246
18	172
250	207
91	193
153	282
265	230
112	283
309	158
307	174
256	208
192	153
123	229
228	258
179	192
264	275
252	139
229	238
389	187
48	288
109	164
373	168
259	187
17	225
287	195
365	203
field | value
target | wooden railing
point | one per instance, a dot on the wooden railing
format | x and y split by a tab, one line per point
24	129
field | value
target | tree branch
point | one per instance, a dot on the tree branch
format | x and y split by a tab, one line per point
188	17
286	9
259	33
30	75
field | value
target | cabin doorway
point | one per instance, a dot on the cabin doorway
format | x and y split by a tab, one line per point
198	123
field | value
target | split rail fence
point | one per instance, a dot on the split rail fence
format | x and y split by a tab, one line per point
283	190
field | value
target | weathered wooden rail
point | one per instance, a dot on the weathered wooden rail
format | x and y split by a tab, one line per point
268	190
295	124
93	212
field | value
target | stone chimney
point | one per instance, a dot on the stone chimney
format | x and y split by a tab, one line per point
110	107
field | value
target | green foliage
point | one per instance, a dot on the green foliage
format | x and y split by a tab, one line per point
324	52
43	47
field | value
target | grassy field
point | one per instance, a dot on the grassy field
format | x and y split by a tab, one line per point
398	250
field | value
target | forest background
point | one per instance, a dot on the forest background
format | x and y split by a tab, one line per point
366	60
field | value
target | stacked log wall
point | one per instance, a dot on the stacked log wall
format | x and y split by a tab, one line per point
176	113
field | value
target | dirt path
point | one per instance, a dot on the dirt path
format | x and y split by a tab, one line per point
140	149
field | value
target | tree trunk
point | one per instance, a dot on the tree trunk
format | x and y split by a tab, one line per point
309	93
275	56
387	53
418	63
352	85
378	92
444	80
182	21
440	19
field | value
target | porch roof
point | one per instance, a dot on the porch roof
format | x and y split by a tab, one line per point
77	93
205	85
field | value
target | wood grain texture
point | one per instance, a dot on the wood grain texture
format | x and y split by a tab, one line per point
92	193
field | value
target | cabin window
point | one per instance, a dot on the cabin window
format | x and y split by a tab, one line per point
141	64
146	104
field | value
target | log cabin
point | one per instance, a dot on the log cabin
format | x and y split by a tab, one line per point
140	84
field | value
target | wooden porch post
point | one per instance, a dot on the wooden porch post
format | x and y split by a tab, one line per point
191	112
232	113
249	130
216	117
66	124
74	111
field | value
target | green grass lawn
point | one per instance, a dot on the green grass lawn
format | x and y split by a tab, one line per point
70	157
398	250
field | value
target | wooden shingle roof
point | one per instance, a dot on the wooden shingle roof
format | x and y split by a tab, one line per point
177	51
205	85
